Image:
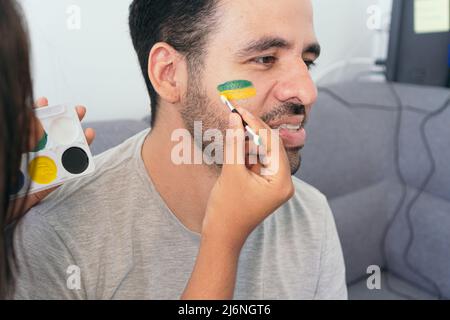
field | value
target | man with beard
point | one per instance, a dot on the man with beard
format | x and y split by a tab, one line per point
144	227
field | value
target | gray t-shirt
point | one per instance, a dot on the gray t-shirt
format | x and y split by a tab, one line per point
111	236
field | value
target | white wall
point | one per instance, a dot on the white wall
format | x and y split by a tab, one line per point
96	64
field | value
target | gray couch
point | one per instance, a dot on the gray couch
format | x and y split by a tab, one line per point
381	154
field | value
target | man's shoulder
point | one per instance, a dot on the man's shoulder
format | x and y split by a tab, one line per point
308	198
307	193
308	208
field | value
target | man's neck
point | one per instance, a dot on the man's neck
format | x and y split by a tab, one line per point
184	188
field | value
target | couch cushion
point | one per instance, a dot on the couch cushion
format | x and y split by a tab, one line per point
361	219
417	164
351	157
418	243
392	288
419	240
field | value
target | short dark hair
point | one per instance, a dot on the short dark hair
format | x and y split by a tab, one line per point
183	24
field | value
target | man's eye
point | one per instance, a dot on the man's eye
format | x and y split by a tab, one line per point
267	60
310	64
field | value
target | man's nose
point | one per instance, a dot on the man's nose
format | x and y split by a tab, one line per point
297	84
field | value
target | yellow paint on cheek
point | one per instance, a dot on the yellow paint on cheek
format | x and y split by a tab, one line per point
43	170
240	94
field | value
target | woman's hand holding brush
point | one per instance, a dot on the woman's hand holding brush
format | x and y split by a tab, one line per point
241	199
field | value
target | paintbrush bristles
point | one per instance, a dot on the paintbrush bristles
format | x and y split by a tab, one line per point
227	103
256	138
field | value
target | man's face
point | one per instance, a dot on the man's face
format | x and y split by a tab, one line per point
270	44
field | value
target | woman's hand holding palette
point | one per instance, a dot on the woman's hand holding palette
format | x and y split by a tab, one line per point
61	155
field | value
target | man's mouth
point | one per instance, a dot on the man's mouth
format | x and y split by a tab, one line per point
290	127
292	131
291	123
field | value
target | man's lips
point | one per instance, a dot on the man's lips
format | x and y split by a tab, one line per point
291	131
292	120
293	139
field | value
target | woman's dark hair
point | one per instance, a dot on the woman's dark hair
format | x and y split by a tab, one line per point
16	100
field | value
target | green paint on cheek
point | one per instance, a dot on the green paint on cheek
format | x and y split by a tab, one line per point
237	90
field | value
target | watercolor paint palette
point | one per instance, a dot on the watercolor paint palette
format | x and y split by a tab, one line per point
62	154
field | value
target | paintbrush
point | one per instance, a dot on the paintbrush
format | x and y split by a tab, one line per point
256	139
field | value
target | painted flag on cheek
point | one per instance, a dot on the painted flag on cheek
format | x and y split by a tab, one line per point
237	90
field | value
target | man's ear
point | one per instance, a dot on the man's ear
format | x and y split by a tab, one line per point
164	65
